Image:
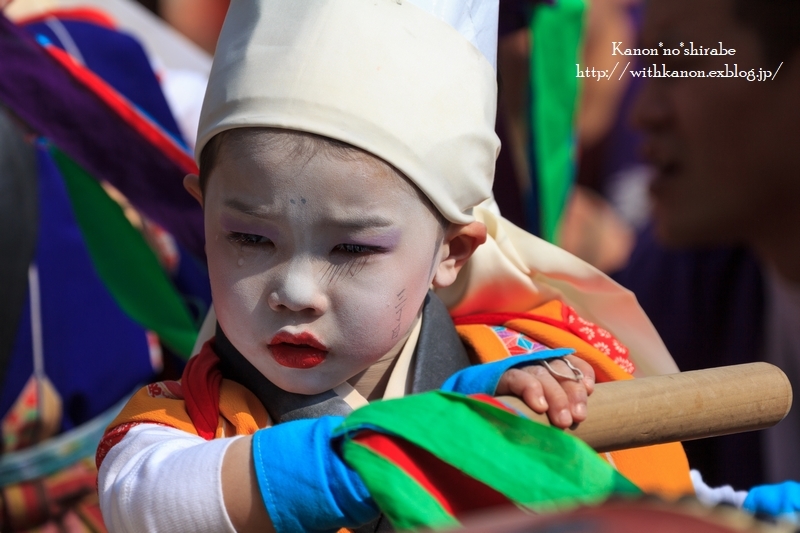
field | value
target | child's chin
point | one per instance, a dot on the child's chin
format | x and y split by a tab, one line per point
308	386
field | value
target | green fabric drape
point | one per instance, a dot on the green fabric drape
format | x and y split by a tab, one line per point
125	262
557	35
535	466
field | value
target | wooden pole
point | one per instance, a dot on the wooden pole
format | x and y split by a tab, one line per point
678	407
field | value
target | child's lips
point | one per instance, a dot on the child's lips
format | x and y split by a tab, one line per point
301	350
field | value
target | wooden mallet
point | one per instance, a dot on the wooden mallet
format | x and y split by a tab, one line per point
679	407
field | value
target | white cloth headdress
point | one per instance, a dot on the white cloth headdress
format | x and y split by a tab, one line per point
382	75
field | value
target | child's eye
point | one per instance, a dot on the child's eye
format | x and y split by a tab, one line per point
355	249
247	239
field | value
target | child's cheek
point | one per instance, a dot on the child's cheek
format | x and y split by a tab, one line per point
402	298
234	293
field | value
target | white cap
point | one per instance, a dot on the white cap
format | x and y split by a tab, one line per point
382	75
476	20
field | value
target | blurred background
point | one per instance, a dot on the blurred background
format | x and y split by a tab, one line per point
104	285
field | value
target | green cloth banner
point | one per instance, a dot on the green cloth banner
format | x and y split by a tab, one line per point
406	503
557	36
535	466
125	262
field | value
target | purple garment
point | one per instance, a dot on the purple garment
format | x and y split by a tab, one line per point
46	97
120	60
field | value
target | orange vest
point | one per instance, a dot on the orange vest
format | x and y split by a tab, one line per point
204	404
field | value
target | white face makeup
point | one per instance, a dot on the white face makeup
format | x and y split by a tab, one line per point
318	263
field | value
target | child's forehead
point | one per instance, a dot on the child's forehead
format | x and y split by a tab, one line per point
290	145
288	151
291	149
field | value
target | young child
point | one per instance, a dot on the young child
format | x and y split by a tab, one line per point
343	149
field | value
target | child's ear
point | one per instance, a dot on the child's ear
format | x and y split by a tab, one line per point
460	242
192	184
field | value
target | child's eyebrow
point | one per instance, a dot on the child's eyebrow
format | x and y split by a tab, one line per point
247	209
362	223
351	223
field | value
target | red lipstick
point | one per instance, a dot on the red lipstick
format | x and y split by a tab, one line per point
301	350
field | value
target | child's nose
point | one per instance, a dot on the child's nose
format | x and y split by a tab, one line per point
297	289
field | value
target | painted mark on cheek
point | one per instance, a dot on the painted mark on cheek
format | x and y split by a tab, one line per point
302	200
398	312
350	268
292	200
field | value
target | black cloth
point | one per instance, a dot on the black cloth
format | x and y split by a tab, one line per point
516	14
19	220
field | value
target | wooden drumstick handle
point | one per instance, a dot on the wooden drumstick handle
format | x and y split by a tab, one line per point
678	407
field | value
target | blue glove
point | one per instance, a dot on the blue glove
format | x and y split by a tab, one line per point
304	484
484	378
781	500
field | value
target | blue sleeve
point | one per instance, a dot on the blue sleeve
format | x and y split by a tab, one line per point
484	378
781	500
305	486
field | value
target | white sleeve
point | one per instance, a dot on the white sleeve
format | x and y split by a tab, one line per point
160	479
712	496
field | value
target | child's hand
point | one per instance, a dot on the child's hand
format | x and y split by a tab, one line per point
544	380
552	391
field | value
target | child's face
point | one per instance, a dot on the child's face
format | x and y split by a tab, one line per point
318	263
